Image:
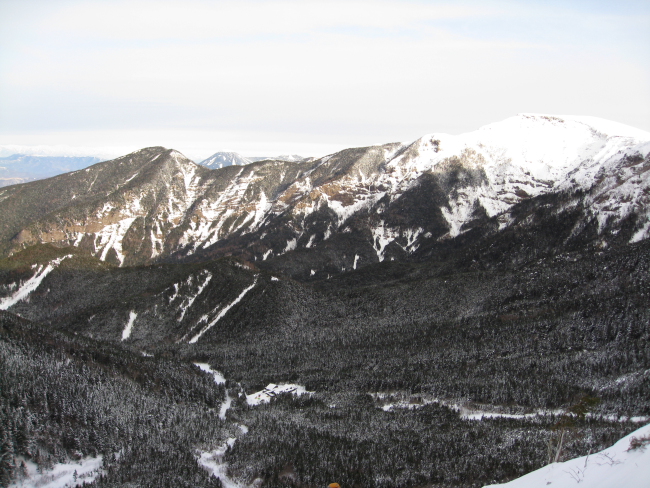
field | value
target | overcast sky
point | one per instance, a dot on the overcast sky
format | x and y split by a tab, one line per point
309	77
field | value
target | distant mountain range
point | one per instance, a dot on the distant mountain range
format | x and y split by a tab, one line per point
223	159
20	168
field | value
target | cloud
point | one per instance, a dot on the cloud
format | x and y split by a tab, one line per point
191	20
331	72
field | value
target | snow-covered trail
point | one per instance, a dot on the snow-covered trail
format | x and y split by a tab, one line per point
62	475
391	402
617	466
219	379
213	460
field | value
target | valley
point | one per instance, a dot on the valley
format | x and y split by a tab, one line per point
458	311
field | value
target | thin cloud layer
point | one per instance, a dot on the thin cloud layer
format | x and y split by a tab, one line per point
331	74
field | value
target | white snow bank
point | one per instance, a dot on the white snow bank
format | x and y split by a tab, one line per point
126	333
272	390
62	475
617	466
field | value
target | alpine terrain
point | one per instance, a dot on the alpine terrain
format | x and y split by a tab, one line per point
456	311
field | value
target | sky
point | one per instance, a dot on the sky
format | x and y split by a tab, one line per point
264	78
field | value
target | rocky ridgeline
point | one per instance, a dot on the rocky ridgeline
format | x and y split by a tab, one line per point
346	210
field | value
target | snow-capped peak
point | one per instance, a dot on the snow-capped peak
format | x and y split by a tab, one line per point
223	159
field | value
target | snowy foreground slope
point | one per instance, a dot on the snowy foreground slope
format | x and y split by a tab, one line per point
617	466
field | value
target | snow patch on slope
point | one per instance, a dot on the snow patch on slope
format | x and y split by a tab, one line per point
110	237
126	333
188	302
31	284
223	312
382	236
62	475
233	210
291	245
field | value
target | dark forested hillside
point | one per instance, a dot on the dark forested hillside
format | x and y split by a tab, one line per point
502	337
64	397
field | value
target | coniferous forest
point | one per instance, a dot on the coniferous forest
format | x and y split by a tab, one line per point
542	344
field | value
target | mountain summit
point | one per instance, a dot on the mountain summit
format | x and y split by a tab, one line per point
222	159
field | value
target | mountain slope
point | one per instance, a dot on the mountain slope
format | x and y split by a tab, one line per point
622	464
523	339
369	204
96	207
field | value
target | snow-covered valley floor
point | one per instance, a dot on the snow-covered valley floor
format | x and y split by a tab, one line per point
213	460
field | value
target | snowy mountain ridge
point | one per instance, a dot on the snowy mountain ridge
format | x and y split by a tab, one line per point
395	198
222	159
531	154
